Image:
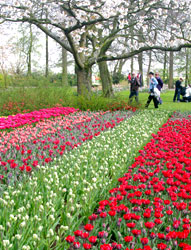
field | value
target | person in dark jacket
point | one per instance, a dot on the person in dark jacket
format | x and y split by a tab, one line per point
178	90
160	84
134	89
160	81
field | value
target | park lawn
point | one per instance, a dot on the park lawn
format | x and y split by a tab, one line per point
167	98
25	100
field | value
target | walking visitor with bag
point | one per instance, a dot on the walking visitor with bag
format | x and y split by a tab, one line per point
153	90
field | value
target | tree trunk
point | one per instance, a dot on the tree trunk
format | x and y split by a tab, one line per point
132	65
189	74
187	65
140	61
120	67
171	66
116	67
29	57
132	58
5	78
84	81
64	67
47	58
105	79
149	66
164	65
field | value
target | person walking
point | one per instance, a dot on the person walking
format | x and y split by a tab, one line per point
134	89
160	84
178	90
152	85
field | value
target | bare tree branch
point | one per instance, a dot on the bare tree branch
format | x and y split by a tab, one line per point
136	52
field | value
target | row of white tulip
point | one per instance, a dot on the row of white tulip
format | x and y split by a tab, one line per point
38	212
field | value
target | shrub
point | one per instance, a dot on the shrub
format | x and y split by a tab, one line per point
117	77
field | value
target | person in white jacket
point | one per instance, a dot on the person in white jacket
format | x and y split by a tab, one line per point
187	96
153	91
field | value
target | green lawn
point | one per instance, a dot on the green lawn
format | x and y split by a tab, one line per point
166	97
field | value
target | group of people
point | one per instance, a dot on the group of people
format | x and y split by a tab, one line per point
155	86
184	91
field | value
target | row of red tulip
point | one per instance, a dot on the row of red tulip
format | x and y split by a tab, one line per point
151	207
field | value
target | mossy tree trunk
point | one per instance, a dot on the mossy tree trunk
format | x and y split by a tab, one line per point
171	68
105	79
84	80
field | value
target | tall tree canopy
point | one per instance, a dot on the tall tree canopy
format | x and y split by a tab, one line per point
89	29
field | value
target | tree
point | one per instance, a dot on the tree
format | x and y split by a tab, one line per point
165	65
183	60
149	66
105	79
47	58
64	67
187	66
5	53
132	45
171	70
24	46
78	21
47	54
140	61
3	65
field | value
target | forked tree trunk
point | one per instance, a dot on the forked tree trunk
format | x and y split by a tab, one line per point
64	67
84	81
171	67
105	79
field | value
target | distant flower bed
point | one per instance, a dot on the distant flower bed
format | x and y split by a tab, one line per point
123	105
33	117
23	149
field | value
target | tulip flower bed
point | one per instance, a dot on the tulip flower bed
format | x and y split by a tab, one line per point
33	117
150	209
23	149
41	210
